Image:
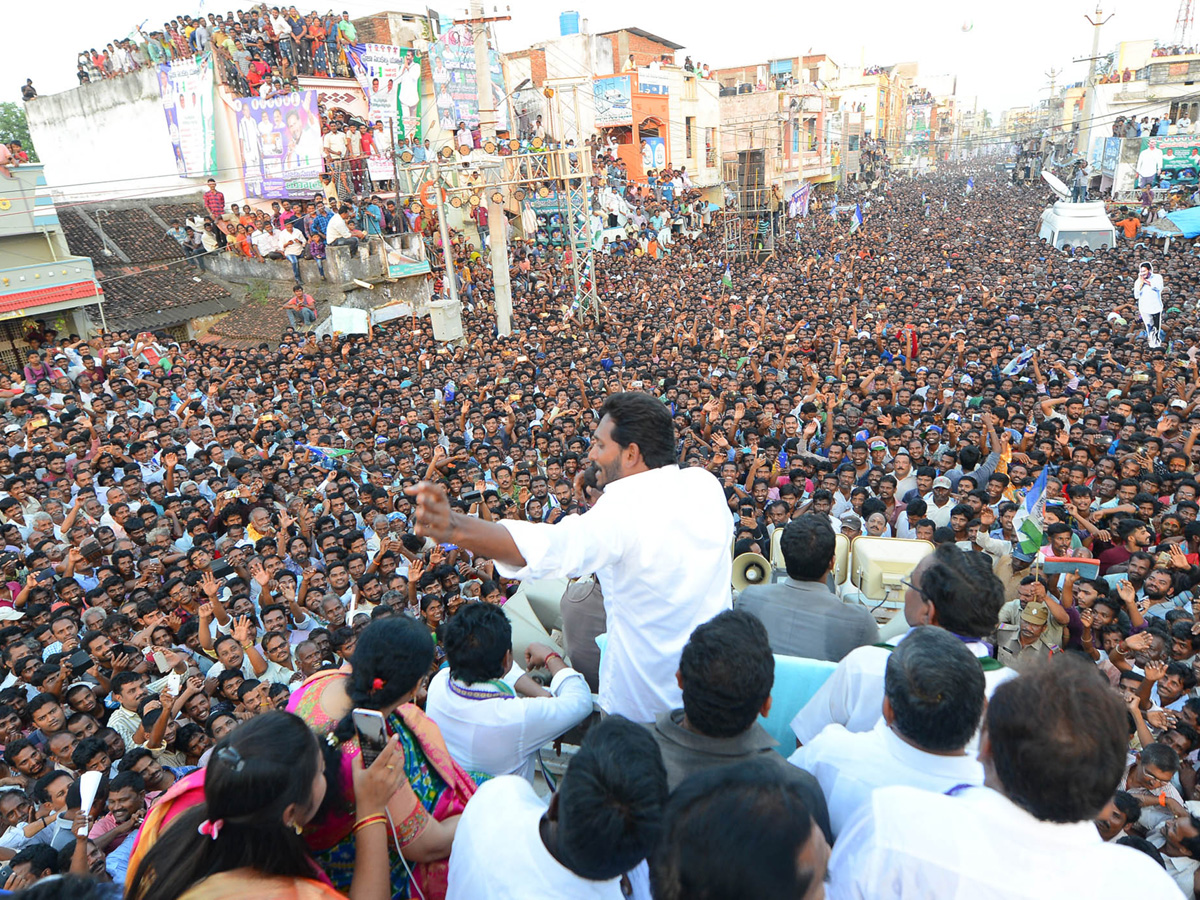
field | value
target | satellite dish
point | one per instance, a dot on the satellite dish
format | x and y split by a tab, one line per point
1056	185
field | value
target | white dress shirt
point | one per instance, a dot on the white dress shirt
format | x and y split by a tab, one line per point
497	733
853	695
979	844
659	544
336	228
850	766
498	852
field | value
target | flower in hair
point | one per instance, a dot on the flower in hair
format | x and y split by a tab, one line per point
211	828
377	684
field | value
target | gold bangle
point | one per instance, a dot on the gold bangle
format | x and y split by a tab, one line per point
369	820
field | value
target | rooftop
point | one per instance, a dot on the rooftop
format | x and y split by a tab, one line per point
645	34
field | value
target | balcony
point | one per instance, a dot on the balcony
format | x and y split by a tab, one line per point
64	284
25	202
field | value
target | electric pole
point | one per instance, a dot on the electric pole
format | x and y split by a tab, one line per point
1089	97
497	221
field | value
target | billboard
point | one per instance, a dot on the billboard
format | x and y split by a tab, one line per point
186	89
654	153
391	82
1180	157
452	62
1112	155
613	103
279	141
654	81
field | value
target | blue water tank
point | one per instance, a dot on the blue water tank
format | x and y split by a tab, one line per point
568	22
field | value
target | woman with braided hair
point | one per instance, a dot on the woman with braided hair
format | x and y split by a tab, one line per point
390	659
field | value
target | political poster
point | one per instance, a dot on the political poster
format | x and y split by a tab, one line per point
654	153
186	89
279	140
613	103
452	62
391	81
1180	157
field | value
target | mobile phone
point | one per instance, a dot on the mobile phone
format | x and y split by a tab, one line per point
372	733
472	497
160	660
45	576
5	873
80	661
174	683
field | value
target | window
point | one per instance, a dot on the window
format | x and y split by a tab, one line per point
689	125
853	142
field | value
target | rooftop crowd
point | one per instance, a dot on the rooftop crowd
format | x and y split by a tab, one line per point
213	557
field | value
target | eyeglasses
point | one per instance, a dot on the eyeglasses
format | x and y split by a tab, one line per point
912	587
1154	780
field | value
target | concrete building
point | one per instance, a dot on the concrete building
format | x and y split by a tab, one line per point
880	93
40	278
655	113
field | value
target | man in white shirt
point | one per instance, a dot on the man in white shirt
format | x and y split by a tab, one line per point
589	843
266	242
1043	787
1148	291
657	538
954	590
337	232
938	502
493	717
291	245
931	709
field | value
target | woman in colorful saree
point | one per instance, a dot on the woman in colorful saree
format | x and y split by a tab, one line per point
263	784
390	659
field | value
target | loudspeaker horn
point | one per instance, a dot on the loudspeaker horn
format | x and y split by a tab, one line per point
750	569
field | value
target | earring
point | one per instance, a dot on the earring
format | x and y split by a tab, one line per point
298	828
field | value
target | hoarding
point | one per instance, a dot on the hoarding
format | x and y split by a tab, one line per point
279	141
452	62
614	105
186	89
391	81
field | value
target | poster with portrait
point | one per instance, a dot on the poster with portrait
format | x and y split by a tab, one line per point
391	81
452	62
186	89
279	141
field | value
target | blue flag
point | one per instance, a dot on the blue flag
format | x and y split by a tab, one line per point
856	222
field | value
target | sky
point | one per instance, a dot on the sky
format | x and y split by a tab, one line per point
1000	52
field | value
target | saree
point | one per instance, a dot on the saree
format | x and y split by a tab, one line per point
436	788
184	794
242	883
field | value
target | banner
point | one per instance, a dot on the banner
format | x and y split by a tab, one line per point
186	88
654	153
653	81
391	81
798	201
1180	157
279	140
406	255
613	104
452	62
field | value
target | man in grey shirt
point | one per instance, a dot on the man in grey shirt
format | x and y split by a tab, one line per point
726	672
802	616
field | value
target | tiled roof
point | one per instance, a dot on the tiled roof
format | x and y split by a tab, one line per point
139	236
82	240
158	289
151	294
252	324
177	212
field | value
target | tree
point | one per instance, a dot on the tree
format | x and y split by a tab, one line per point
15	127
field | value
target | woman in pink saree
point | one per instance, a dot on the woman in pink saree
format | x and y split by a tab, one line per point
390	658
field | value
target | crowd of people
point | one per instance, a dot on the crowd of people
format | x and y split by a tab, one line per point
260	49
263	592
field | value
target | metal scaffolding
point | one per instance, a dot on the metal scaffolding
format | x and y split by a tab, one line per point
749	228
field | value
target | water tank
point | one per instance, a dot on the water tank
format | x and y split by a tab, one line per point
568	22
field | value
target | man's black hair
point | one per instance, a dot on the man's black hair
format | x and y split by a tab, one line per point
808	544
935	688
727	672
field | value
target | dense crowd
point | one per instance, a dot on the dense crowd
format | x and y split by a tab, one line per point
198	539
260	49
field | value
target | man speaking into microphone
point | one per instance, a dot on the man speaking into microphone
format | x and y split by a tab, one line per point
658	539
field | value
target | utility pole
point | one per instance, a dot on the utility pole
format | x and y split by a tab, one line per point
1089	98
497	222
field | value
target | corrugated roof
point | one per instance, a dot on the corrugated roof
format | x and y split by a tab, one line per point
148	320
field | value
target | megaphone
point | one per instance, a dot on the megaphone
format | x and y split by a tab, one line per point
750	569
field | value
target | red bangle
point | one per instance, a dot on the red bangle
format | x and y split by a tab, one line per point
557	656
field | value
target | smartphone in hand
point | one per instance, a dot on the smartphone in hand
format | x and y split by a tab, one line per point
372	733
